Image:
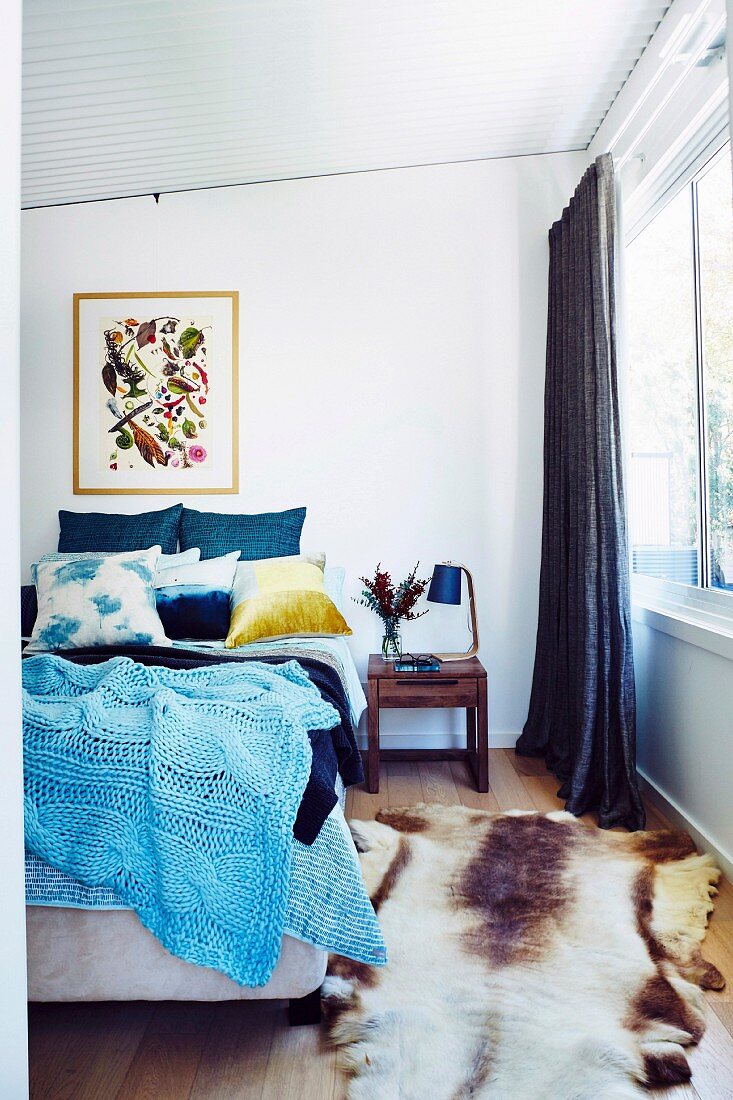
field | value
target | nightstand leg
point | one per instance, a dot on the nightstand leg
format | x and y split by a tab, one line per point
471	730
373	728
472	758
482	736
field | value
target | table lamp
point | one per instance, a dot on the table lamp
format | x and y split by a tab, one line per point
445	587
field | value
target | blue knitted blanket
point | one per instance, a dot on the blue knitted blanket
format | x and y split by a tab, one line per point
178	790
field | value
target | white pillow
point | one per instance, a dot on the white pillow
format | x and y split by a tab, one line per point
185	557
104	600
215	573
333	581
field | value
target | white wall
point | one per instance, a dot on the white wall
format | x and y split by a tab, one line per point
392	371
13	1035
685	731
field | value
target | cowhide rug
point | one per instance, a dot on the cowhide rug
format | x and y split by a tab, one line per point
530	958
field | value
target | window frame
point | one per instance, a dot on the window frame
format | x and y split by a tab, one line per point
697	613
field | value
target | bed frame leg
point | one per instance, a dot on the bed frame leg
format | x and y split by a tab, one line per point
305	1010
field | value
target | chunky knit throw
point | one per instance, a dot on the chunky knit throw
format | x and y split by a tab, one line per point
178	790
335	750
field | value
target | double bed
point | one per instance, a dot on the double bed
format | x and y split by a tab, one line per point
86	944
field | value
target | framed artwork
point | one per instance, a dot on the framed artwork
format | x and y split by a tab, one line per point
155	392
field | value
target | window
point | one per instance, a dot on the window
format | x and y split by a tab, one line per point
680	414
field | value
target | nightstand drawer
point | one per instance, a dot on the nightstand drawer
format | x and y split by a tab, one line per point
414	692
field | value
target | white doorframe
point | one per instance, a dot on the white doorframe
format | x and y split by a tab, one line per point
13	1028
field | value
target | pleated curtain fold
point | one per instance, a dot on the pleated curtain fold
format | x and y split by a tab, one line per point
582	714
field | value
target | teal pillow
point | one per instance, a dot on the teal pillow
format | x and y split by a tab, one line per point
267	535
118	534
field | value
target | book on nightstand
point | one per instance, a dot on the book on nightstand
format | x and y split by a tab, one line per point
417	664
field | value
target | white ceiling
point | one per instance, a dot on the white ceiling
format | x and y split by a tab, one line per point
130	97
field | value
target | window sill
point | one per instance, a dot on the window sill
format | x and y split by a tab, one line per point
701	628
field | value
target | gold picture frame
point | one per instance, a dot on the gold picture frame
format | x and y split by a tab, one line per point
111	375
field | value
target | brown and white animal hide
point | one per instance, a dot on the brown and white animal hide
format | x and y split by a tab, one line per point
530	958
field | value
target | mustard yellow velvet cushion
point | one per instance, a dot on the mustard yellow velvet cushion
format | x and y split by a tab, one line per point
282	598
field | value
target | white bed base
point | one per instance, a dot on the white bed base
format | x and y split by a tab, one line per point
107	955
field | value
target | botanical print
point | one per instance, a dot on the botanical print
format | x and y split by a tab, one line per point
154	384
155	392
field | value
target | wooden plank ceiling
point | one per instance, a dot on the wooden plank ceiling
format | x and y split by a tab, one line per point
130	97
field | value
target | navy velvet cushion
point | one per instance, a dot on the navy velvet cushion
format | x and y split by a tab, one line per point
193	611
116	534
268	535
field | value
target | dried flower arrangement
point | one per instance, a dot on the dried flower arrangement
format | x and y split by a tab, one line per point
393	603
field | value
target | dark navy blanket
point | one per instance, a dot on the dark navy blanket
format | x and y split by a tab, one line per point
334	751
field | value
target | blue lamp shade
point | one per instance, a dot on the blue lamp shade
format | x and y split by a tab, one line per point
445	586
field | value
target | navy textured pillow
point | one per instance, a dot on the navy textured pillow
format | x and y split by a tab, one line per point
28	609
268	535
109	532
193	611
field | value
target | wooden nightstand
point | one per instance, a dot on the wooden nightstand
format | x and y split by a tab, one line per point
456	684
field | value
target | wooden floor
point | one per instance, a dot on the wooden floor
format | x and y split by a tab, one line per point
246	1051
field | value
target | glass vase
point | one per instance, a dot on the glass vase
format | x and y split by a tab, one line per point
391	642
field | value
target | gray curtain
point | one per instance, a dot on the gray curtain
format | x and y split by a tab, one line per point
582	714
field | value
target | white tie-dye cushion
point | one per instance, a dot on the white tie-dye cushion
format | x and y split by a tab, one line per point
105	600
